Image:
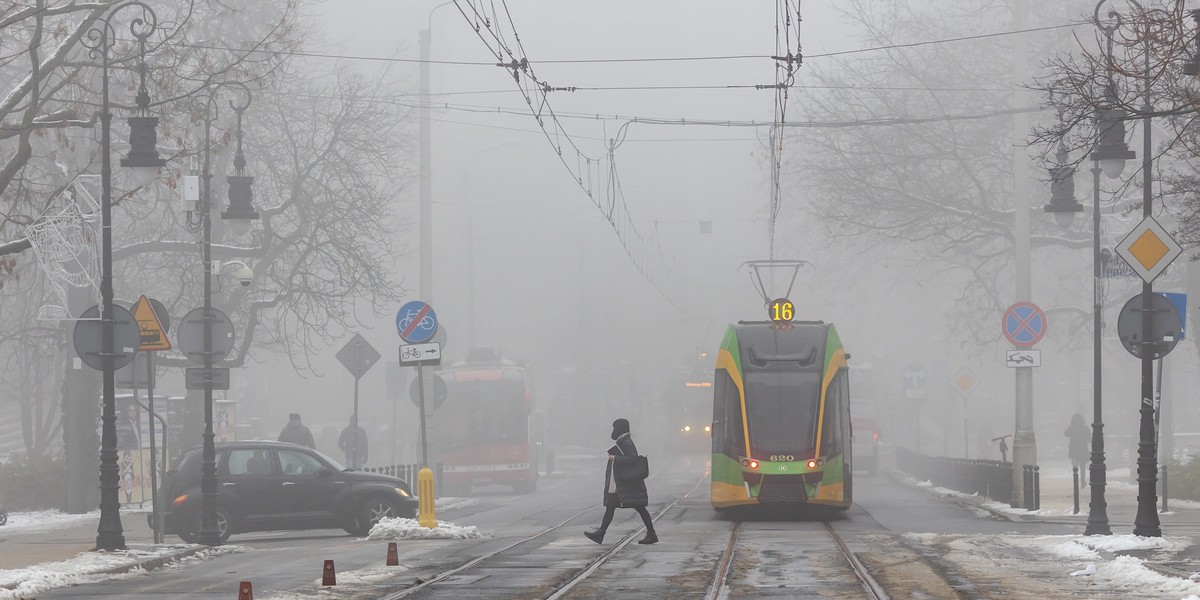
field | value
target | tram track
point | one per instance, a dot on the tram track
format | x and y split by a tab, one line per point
724	570
562	589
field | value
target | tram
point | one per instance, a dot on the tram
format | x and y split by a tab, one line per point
688	403
781	412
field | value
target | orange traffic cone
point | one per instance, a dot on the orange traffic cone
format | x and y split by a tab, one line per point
245	591
392	559
327	576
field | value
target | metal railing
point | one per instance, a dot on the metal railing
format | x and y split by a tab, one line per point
407	472
991	478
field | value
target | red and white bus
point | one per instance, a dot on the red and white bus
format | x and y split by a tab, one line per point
487	430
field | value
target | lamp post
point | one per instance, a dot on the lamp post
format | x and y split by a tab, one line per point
241	212
425	175
143	158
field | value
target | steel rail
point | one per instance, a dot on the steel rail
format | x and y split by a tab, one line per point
869	584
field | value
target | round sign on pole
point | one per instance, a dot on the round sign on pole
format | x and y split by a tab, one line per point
781	310
191	335
435	391
1024	324
89	338
1165	326
416	322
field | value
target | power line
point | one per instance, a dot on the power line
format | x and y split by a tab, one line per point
965	38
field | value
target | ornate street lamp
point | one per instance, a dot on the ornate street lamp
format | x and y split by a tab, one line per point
240	196
143	157
1062	190
1192	65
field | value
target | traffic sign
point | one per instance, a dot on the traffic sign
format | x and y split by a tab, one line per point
421	354
196	378
914	381
1180	302
416	322
435	391
358	356
1149	249
154	333
965	382
1016	359
191	334
89	338
1164	328
1024	324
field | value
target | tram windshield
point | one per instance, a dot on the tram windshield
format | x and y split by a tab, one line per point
483	412
781	409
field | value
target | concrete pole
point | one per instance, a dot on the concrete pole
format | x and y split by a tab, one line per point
1024	444
425	175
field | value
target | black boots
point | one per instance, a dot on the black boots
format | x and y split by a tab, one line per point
651	538
596	536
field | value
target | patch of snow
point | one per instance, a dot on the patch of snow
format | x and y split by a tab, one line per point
87	567
409	529
42	520
1117	543
1089	570
453	503
1127	572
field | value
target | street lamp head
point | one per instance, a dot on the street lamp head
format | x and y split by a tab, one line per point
143	152
1062	190
241	204
1112	151
1191	67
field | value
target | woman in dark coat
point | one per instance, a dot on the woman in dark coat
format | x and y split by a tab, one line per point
624	484
1078	446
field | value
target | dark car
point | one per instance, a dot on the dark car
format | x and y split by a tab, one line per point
264	486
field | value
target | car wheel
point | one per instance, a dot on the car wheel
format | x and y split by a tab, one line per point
375	509
224	528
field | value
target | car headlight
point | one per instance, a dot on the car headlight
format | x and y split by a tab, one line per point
179	501
402	492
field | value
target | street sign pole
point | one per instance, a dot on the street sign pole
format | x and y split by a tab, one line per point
354	437
421	400
154	514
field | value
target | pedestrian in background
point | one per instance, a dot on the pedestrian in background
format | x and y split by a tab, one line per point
295	432
353	442
624	484
1078	446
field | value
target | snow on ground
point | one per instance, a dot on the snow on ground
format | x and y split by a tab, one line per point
42	520
453	503
1128	573
88	567
409	529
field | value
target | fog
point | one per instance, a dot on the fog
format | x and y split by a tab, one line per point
525	262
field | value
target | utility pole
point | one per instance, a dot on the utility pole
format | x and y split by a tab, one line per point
1024	443
426	179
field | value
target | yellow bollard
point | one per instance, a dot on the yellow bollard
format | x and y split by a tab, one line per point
425	511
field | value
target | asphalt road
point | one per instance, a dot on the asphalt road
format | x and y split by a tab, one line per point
539	547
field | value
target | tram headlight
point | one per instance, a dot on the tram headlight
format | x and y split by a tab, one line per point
687	428
812	464
753	464
708	428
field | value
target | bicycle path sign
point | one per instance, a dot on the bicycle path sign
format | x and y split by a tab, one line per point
1024	324
416	322
421	354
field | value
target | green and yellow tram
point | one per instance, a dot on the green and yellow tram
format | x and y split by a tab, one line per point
781	416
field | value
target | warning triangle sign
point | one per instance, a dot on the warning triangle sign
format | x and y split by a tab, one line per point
153	336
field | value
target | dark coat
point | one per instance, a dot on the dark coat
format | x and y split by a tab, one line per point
296	433
1078	441
623	464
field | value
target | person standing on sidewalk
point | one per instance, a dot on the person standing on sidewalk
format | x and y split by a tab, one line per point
296	433
1078	446
624	484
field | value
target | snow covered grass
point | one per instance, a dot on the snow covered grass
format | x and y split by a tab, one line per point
42	520
89	567
409	529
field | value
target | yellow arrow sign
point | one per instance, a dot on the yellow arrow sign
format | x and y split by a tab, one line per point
153	336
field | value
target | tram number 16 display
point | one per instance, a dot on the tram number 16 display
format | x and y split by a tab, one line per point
781	310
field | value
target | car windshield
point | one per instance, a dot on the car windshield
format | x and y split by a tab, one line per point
333	463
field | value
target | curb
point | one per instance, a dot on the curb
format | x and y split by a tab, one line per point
965	500
146	564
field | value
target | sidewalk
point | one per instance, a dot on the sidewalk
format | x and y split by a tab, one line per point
37	541
1181	524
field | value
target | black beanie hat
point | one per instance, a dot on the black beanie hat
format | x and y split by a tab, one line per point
620	426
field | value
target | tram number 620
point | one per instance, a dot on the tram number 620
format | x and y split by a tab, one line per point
782	310
782	458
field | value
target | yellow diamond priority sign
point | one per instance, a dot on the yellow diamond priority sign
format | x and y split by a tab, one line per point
964	382
1149	249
